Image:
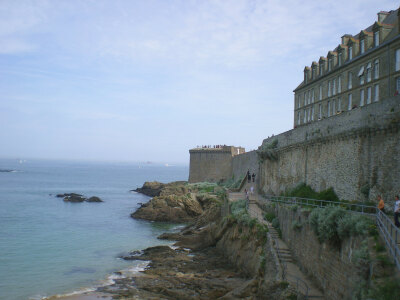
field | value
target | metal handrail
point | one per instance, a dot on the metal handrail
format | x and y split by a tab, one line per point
301	283
363	209
389	232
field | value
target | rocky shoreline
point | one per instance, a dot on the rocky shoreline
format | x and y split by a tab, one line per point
213	257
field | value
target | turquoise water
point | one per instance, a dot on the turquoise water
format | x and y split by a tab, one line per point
51	247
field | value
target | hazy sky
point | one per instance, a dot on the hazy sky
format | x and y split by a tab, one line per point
148	80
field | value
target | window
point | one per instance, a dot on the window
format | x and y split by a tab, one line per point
369	72
312	96
333	108
397	59
312	113
305	98
339	105
362	46
361	75
397	85
376	92
305	116
340	59
329	88
309	114
350	101
330	64
298	118
350	53
376	38
329	108
369	91
320	112
339	84
350	81
308	97
298	101
334	86
361	97
376	69
320	92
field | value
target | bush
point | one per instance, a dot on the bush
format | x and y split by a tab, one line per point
328	195
305	191
203	187
296	225
352	225
268	151
275	223
387	290
324	222
269	216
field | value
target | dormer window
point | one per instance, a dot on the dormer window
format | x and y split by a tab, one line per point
340	59
313	73
362	46
305	77
330	64
321	68
350	52
376	38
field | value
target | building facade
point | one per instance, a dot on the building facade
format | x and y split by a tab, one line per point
363	69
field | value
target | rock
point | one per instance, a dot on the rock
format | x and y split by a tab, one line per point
94	199
171	208
68	195
151	189
74	198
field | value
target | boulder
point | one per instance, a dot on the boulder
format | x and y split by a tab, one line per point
74	198
94	199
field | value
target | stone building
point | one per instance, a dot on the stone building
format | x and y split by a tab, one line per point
362	69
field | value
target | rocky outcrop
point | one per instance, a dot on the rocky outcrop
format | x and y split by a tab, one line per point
77	198
175	202
170	208
155	188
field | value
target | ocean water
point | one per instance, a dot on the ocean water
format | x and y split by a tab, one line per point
50	247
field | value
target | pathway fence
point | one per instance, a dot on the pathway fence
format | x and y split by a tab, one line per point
388	231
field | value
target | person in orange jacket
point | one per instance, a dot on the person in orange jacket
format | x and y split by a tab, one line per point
381	204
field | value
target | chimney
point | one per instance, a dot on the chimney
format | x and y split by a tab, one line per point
382	15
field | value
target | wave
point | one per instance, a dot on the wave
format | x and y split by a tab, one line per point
139	266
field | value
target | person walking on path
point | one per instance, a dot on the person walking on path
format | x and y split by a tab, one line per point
253	176
397	211
251	190
381	204
248	176
246	193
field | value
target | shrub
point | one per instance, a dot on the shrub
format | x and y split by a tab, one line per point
305	191
275	223
361	256
324	222
387	290
269	216
296	225
328	195
268	151
203	187
352	225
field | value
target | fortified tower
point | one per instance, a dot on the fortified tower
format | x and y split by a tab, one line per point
212	164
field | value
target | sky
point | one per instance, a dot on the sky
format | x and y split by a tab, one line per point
148	80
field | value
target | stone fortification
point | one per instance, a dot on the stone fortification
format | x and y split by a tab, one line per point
243	162
212	164
356	153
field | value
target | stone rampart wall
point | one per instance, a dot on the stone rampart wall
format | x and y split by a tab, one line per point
243	162
349	152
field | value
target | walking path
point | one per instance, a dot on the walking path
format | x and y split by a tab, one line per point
292	272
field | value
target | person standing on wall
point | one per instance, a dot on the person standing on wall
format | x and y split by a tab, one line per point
253	176
248	176
381	204
397	211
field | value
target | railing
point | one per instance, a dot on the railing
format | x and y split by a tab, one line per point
390	234
242	183
354	207
301	286
388	231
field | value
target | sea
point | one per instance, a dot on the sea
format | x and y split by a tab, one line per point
51	247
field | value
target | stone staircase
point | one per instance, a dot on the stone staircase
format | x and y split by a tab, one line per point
292	272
